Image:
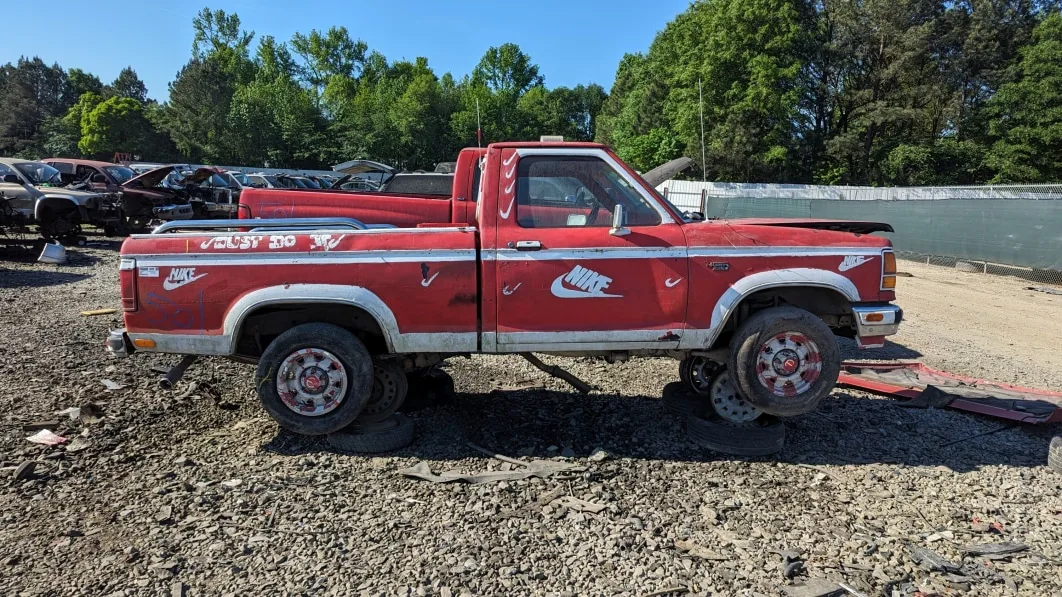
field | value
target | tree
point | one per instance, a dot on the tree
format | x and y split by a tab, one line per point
78	83
330	61
30	93
197	113
115	125
128	84
1027	114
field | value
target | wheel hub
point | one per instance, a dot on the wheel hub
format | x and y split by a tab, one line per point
788	364
312	382
728	404
699	373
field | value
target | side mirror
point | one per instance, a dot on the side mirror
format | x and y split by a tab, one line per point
99	178
696	216
12	179
619	222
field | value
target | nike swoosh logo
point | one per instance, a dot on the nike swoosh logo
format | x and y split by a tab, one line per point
672	283
168	285
505	212
507	291
510	160
852	263
560	291
426	283
511	171
509	189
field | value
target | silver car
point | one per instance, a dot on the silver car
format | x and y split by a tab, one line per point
36	192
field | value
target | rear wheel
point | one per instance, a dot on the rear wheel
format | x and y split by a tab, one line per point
784	361
315	378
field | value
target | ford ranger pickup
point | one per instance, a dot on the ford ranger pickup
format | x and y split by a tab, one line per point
562	249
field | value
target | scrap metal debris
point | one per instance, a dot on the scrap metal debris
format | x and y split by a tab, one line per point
815	587
1046	289
925	387
112	385
995	549
535	468
46	438
931	560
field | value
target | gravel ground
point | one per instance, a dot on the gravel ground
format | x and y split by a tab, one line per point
172	495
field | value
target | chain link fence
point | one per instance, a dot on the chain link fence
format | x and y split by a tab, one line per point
1013	230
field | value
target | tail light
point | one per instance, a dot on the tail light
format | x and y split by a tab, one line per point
127	283
888	270
243	212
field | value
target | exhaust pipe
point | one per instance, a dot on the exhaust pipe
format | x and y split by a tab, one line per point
174	375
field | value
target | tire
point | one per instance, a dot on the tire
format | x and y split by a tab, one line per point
393	433
1054	454
727	402
762	437
799	341
389	390
432	388
321	342
679	400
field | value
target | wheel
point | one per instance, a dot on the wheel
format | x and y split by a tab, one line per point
314	378
697	373
727	402
678	399
762	437
393	433
1054	454
389	389
432	388
784	361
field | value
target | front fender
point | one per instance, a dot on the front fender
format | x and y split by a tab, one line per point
56	204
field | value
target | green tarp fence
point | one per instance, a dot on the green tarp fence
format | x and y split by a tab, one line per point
1017	232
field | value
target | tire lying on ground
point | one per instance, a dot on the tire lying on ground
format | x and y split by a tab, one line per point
1054	454
315	378
784	361
762	437
431	388
680	400
391	434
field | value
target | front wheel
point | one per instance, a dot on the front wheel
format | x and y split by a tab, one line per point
315	378
784	361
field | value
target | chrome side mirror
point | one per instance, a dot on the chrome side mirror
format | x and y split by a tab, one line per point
619	222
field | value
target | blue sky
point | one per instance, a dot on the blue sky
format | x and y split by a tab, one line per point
573	42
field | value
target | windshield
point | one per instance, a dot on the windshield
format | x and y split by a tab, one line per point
309	182
39	174
120	173
242	178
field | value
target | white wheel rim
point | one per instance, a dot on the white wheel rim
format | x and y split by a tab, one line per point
728	404
788	364
312	382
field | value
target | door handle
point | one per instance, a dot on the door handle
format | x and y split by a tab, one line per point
525	245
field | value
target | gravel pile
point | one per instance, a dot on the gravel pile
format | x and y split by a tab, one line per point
193	492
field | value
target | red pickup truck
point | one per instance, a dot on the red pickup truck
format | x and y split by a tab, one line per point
374	207
561	248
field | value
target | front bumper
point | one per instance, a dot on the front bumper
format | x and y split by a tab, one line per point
118	344
874	322
174	212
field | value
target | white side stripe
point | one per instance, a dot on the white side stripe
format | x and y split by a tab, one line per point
672	253
301	258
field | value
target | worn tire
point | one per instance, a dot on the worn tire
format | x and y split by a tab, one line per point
1054	454
391	434
389	390
762	437
351	353
432	388
754	336
680	400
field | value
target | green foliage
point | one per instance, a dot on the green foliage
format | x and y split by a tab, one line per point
114	125
128	84
1027	114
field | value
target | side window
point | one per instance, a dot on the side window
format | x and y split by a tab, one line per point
4	171
576	191
476	172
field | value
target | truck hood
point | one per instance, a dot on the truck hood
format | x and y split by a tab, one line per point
854	226
149	179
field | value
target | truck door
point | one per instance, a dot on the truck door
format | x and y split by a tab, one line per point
565	280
